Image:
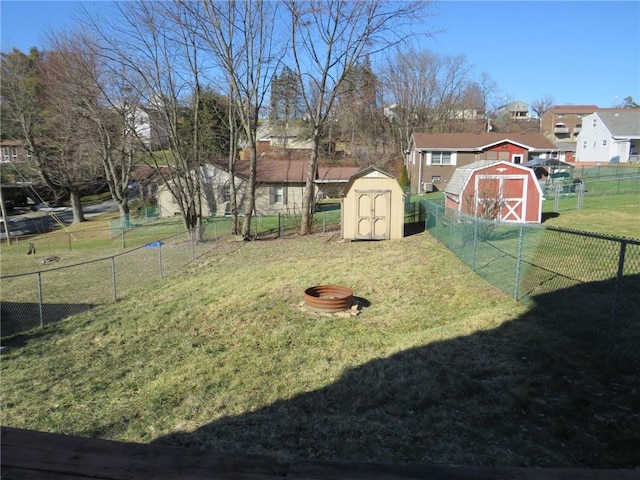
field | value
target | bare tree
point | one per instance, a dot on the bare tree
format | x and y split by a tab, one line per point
105	103
158	50
424	90
239	36
23	106
329	37
541	105
43	98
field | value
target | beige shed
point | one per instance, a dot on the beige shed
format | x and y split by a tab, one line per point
373	206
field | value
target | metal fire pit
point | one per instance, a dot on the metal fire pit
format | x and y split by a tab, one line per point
328	298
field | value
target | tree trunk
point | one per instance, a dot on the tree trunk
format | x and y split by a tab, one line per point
309	191
76	206
251	194
125	213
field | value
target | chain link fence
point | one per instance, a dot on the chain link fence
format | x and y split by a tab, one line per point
35	299
588	282
589	183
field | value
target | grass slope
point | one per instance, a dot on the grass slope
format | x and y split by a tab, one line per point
611	215
440	367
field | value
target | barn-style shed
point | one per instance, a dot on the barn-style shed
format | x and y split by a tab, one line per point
373	206
499	190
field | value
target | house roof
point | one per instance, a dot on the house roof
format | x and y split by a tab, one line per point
462	174
333	173
573	109
11	143
479	141
621	122
566	146
287	171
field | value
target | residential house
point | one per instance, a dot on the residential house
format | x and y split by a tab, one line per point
280	187
150	127
610	136
14	151
562	123
516	110
433	158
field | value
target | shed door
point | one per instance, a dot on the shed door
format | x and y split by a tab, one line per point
372	214
503	197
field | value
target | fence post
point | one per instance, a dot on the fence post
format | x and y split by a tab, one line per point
279	224
113	278
516	288
40	306
160	258
215	230
122	230
324	221
580	190
556	201
475	242
616	292
450	230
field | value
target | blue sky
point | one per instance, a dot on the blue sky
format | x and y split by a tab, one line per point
579	52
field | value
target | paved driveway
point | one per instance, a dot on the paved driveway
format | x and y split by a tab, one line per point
24	221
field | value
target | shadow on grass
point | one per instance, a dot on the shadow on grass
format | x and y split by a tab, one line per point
558	386
20	317
549	215
413	228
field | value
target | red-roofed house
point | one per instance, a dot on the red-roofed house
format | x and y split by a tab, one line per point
433	158
280	186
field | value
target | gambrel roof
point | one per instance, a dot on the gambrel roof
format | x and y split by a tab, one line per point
461	175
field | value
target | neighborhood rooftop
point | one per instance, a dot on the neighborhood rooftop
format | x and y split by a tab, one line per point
476	141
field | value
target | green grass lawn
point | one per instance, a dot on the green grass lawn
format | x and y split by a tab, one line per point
439	367
611	215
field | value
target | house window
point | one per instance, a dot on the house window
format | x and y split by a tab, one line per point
604	143
594	144
441	158
277	194
584	144
436	179
226	193
14	154
595	123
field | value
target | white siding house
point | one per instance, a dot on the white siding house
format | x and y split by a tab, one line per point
609	135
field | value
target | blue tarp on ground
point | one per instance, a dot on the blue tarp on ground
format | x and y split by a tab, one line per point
153	245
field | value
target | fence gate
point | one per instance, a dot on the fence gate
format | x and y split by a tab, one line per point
373	213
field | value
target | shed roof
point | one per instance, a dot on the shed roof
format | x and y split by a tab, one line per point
369	171
479	141
461	175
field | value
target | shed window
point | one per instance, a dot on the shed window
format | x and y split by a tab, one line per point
441	158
